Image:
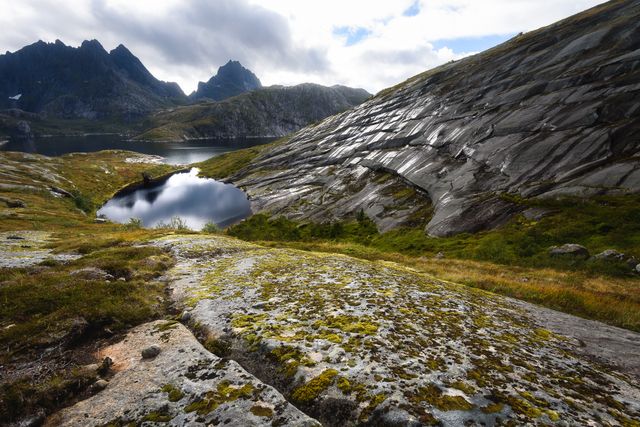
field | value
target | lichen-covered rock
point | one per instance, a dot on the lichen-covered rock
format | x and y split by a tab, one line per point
569	249
610	255
20	249
183	385
550	113
352	341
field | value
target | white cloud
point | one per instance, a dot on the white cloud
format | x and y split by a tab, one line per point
282	41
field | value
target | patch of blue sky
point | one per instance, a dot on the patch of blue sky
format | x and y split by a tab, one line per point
471	44
353	34
413	10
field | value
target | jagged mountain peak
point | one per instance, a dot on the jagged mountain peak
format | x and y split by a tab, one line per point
85	81
231	79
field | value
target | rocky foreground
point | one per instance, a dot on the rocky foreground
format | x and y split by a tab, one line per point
550	113
346	342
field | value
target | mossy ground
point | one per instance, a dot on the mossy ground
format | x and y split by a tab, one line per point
383	335
42	304
512	260
58	299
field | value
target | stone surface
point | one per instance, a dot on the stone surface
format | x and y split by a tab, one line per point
352	341
150	352
569	249
183	385
28	249
99	385
610	255
550	113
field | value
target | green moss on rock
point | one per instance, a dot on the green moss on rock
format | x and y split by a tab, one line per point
312	389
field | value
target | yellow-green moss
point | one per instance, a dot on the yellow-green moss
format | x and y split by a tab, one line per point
157	417
175	393
261	411
492	408
344	385
432	395
462	386
224	393
312	389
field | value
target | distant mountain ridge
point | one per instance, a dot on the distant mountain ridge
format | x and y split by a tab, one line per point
83	82
232	79
52	88
272	111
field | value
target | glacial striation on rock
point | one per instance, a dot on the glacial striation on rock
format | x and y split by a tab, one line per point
554	112
356	342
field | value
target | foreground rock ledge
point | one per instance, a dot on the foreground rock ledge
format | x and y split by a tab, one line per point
183	385
356	342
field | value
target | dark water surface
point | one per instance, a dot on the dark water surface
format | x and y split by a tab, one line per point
194	200
175	153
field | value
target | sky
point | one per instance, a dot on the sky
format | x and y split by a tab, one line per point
371	44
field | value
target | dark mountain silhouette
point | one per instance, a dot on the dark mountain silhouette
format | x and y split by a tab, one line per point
84	82
232	79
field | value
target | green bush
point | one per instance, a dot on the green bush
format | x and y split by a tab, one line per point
82	202
175	223
133	224
211	228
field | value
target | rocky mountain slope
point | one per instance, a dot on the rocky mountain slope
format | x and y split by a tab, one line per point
231	79
550	113
269	112
84	82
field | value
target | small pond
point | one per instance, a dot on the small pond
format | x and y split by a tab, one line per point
195	200
174	153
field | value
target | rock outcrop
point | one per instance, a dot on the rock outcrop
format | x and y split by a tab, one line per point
268	112
375	343
182	385
554	112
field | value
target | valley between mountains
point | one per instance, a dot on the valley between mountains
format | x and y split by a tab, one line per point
462	249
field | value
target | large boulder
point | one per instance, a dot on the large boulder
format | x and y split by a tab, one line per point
569	250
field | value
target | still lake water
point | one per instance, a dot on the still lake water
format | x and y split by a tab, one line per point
195	200
174	153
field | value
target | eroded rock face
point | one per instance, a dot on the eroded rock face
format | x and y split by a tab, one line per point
351	341
550	113
183	385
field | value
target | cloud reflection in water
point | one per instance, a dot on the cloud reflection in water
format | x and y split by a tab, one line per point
195	200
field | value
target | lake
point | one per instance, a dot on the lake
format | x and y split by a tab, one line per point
175	153
196	201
